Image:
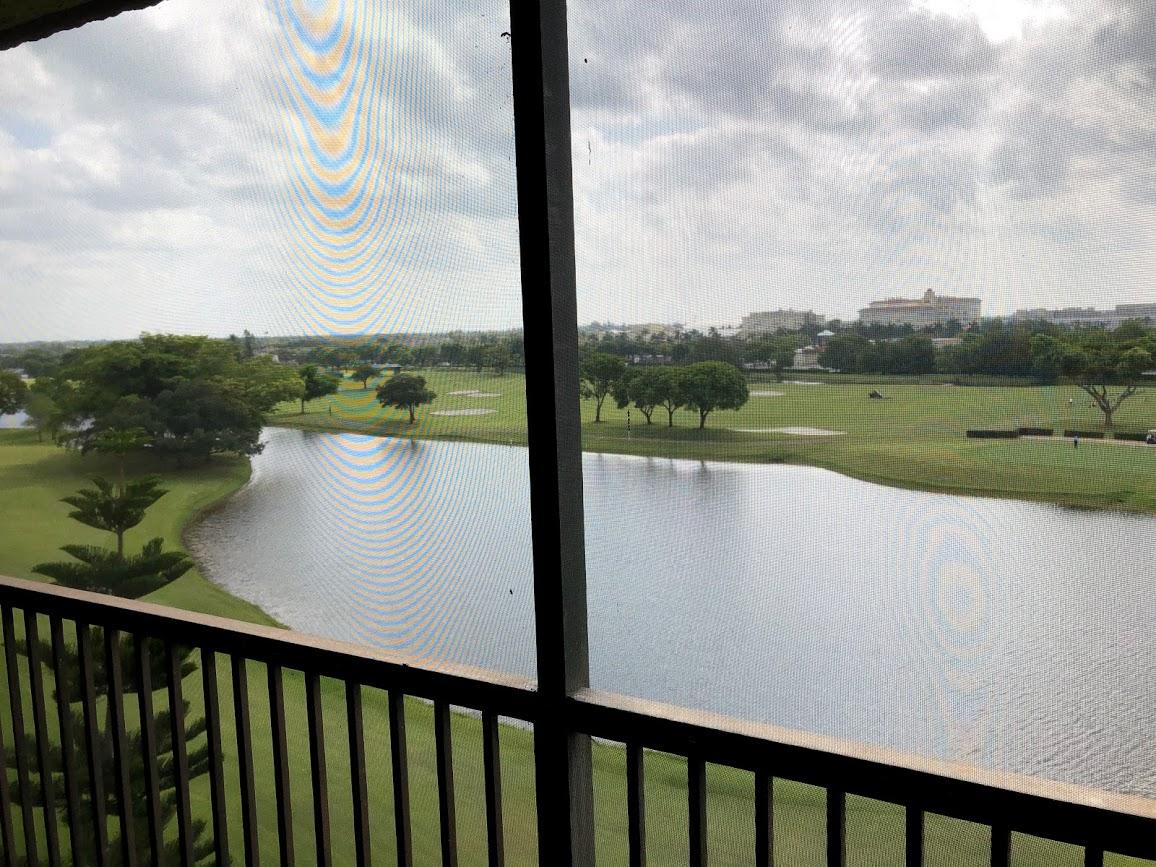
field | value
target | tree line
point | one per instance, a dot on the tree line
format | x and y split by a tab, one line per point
702	387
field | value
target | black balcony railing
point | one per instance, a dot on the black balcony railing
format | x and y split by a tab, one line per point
85	820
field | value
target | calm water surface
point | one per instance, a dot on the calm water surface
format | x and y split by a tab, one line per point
1009	634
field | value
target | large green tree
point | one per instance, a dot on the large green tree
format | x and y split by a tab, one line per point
647	389
405	391
600	372
364	372
43	414
192	396
710	385
1107	370
13	392
317	384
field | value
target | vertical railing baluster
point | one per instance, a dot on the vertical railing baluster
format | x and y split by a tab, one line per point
447	805
696	806
636	804
914	836
1093	857
180	754
492	758
399	758
281	765
764	819
43	744
149	747
1000	846
7	829
316	722
114	678
836	828
93	744
245	760
19	743
64	679
216	755
357	773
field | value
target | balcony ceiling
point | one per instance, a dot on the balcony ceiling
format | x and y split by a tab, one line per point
27	20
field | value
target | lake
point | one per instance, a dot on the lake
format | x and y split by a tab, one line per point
1009	634
12	421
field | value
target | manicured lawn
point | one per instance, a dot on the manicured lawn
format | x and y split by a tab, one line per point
34	523
915	438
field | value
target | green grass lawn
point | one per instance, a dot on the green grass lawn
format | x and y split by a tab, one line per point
914	439
34	523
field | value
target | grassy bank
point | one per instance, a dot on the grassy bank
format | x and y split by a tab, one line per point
34	523
913	439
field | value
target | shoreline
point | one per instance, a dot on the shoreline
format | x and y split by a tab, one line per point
650	446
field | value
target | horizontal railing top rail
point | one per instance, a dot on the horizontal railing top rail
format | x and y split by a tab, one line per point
1006	802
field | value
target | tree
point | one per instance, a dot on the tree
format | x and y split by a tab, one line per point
316	383
363	373
404	391
599	371
121	442
1107	372
647	389
669	391
193	396
710	385
43	414
103	571
500	358
250	344
843	352
13	393
115	510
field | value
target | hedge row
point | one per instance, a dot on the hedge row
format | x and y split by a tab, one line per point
993	434
1085	434
1036	431
1131	436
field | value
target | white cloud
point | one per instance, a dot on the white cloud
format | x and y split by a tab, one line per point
155	172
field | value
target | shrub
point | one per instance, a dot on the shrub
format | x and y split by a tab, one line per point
1085	434
1132	436
1036	431
993	434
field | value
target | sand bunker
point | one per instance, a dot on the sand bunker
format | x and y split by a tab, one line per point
797	431
474	393
766	394
803	382
464	412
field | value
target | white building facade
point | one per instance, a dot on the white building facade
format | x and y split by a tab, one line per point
931	309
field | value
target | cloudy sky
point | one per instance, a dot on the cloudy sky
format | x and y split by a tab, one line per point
208	166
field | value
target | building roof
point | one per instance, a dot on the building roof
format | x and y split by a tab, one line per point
28	20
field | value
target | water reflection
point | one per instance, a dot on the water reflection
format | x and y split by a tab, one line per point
1007	633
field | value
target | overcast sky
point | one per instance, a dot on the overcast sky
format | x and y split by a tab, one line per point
208	166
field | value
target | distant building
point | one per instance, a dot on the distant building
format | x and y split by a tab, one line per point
650	329
1073	317
650	360
807	358
931	309
770	321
